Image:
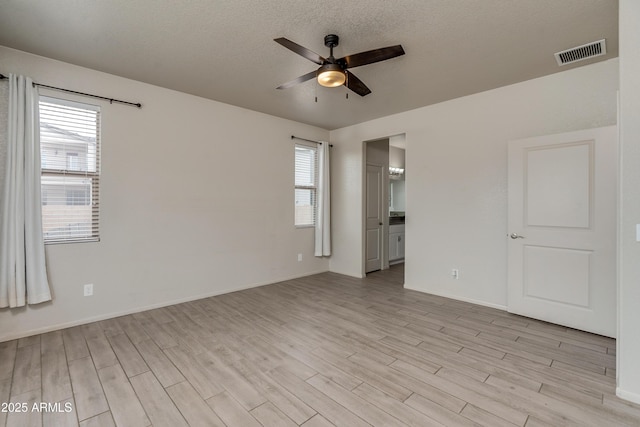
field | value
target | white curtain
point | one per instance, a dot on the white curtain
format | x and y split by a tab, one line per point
23	274
323	219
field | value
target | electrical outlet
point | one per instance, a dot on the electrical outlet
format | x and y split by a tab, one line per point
299	257
455	273
88	290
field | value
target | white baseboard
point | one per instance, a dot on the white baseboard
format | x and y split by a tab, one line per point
12	336
348	273
459	298
627	395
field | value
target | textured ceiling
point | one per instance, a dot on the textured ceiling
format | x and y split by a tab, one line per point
224	49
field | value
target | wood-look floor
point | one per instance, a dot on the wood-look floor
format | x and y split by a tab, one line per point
319	351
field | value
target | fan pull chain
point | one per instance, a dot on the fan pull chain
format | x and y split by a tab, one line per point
347	85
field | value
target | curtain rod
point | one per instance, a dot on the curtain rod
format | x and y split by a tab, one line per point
111	100
308	140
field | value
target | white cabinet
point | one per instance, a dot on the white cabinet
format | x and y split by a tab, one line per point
396	243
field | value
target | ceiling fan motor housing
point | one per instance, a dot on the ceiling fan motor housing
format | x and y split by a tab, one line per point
331	40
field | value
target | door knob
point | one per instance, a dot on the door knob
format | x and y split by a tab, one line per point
516	236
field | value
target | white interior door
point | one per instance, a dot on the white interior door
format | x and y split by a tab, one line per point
562	229
375	220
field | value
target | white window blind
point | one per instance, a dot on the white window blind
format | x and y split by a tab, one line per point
306	184
70	163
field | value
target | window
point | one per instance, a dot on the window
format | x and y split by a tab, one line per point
70	163
80	196
306	183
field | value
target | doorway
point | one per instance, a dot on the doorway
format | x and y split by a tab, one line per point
384	204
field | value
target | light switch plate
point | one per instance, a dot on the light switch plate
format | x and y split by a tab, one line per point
637	232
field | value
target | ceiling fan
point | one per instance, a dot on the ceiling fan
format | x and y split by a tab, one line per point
333	72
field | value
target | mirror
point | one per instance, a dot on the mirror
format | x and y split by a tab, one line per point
396	196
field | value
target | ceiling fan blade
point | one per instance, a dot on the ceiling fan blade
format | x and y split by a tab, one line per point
356	85
300	50
300	79
371	56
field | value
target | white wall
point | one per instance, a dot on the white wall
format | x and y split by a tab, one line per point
456	185
628	368
196	199
396	157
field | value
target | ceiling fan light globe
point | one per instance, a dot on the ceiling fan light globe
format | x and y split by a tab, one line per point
331	76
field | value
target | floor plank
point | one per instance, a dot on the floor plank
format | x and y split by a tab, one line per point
365	410
193	371
317	421
231	411
7	358
269	415
27	375
156	402
159	363
330	409
101	352
128	356
25	416
60	416
394	407
5	393
103	420
192	406
75	343
125	406
56	382
87	389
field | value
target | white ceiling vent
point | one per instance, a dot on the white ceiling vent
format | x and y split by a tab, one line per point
579	53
